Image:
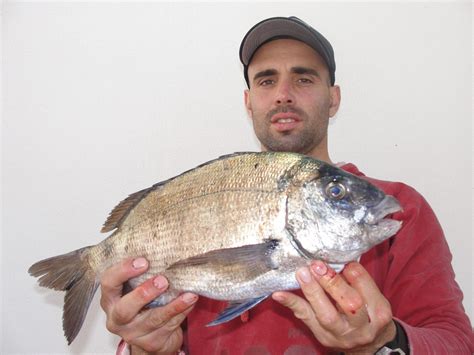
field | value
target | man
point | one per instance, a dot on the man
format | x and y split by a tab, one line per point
402	295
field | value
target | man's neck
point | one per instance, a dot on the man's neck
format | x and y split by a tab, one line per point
320	152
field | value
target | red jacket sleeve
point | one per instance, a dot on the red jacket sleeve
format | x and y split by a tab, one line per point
420	282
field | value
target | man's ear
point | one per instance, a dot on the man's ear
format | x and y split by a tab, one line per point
335	95
248	106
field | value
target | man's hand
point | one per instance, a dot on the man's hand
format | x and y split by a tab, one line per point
361	319
154	330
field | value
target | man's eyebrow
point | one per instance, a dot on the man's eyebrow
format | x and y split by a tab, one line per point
263	73
304	70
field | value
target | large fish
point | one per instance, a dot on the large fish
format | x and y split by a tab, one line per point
236	228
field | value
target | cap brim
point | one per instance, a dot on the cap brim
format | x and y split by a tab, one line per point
280	27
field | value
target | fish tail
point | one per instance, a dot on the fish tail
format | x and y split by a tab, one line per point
72	273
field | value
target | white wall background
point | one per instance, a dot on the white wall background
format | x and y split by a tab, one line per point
104	99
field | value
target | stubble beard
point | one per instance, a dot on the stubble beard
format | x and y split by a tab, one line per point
303	141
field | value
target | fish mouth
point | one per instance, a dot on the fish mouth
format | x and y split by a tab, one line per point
377	214
379	226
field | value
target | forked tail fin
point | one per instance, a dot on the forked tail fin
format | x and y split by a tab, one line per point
72	273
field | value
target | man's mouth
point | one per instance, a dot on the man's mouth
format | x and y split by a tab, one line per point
285	121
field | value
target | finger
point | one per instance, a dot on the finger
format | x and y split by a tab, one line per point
348	299
171	315
155	329
326	313
133	302
157	342
167	338
113	278
300	308
361	281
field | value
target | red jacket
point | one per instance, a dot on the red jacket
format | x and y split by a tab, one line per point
413	270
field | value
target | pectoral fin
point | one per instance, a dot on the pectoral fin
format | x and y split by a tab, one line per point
249	260
235	309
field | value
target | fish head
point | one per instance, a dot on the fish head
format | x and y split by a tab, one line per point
345	216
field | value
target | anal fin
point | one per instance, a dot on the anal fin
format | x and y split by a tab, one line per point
235	309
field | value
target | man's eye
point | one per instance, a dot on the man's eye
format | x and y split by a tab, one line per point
267	82
305	80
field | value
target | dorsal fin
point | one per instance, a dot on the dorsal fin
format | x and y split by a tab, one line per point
120	212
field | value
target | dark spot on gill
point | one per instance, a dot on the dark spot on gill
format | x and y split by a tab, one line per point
282	184
256	165
127	248
271	245
288	175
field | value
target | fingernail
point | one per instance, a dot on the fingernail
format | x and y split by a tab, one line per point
189	298
319	268
304	274
160	282
139	263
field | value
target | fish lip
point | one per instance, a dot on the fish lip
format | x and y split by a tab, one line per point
385	207
281	115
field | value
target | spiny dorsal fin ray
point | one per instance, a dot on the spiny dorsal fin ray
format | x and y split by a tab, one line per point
121	211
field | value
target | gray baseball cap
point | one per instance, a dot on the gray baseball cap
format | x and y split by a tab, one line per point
286	27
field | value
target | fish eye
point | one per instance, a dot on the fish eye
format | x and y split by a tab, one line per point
335	190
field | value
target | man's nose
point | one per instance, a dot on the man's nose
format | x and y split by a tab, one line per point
284	95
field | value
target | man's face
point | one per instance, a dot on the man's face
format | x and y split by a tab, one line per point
290	98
